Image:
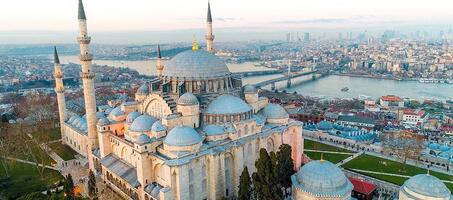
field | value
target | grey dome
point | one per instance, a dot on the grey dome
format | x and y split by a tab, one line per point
427	185
213	129
325	125
158	126
182	136
142	123
144	89
188	99
250	89
323	178
100	115
116	112
274	111
143	139
132	116
197	64
103	121
228	104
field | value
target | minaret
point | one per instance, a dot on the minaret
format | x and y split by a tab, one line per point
59	89
160	62
209	36
87	76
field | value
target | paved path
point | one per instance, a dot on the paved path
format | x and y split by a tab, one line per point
330	152
31	163
389	174
349	158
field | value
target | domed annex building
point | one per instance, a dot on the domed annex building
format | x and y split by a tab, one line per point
188	133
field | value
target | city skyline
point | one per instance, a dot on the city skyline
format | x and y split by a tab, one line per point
53	21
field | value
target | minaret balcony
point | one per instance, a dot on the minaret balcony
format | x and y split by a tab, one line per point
58	75
84	40
86	75
86	57
209	37
59	90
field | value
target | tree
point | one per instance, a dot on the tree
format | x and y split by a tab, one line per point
92	190
69	187
264	180
285	166
245	185
403	145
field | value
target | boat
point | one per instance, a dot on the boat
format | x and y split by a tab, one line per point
345	89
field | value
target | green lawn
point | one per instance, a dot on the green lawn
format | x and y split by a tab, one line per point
376	164
312	145
31	152
64	151
24	179
334	158
48	135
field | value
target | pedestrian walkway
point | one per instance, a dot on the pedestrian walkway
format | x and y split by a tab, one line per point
331	152
31	163
349	158
389	174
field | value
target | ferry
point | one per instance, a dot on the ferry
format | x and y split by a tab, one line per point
428	80
345	89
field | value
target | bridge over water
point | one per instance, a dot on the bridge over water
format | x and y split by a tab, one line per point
260	73
288	79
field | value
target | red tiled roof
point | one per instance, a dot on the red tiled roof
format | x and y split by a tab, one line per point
362	186
391	98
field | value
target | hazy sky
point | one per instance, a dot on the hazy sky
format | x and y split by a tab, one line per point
115	21
152	15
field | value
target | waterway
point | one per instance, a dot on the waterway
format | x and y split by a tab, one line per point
328	87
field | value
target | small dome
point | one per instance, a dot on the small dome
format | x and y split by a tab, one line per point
213	129
428	186
108	111
323	178
103	121
158	127
116	112
250	89
196	64
228	104
444	148
144	89
142	123
182	136
274	111
132	116
143	139
100	115
188	99
325	125
433	146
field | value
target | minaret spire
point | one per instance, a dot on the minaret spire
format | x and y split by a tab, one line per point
209	35
87	76
160	62
59	89
81	11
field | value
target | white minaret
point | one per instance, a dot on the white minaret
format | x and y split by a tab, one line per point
209	35
59	89
160	62
87	76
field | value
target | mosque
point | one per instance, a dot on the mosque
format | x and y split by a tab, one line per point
190	131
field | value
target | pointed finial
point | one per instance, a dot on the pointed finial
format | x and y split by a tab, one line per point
209	17
81	11
195	44
159	55
56	60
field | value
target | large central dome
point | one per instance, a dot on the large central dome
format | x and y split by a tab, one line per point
195	64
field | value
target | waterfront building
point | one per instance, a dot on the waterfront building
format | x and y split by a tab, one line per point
391	101
187	134
415	117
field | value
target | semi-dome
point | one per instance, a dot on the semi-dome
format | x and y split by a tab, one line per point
182	136
143	139
143	89
323	178
213	129
228	104
158	126
103	121
426	186
325	125
188	99
142	123
274	111
196	64
132	116
250	89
